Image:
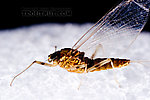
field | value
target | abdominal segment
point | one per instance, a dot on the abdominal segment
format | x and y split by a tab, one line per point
114	63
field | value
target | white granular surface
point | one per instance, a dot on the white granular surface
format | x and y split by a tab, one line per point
20	47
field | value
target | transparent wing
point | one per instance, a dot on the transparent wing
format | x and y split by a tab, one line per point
115	30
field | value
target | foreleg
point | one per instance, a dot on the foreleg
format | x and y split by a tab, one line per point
37	62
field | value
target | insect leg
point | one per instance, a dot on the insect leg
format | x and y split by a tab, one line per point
81	80
114	73
38	62
99	46
108	60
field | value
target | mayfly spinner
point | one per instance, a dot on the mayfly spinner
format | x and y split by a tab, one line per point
126	20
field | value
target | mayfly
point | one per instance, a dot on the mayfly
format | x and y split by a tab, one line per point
126	20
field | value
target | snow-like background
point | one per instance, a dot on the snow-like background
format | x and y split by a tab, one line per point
20	47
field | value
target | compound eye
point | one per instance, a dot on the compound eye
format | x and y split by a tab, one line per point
49	56
49	59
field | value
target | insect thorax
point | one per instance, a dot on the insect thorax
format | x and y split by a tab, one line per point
72	60
69	59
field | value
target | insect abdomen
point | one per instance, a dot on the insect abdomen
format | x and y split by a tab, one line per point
116	63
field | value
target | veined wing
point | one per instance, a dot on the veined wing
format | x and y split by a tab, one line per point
124	22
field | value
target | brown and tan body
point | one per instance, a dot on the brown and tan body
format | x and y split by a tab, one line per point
74	61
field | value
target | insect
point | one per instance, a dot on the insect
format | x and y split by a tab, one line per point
126	20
